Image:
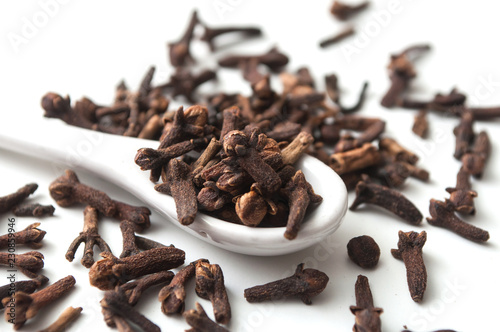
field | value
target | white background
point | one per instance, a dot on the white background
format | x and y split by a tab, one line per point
85	48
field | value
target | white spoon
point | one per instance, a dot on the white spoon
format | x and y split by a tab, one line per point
111	157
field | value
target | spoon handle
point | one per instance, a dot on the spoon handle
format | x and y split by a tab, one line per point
108	156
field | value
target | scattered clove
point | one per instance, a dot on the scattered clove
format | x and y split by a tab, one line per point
90	236
172	296
199	321
22	306
474	161
67	317
344	11
388	199
10	201
33	210
393	148
134	289
464	135
349	31
179	51
304	283
28	263
364	251
25	286
367	316
210	286
420	124
442	215
117	312
410	251
30	236
462	196
352	160
67	190
110	271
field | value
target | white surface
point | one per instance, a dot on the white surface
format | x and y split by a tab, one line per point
110	157
86	48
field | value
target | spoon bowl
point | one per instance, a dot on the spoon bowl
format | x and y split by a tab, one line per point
111	158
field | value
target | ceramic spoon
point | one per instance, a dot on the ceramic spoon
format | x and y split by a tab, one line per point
111	157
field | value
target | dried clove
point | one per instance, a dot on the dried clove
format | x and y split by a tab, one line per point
200	322
349	31
28	263
67	317
410	251
462	196
272	59
30	236
184	83
474	161
364	251
388	199
464	135
300	195
371	133
365	156
90	236
25	286
179	51
117	312
420	124
212	33
237	144
367	316
304	283
134	289
172	296
344	11
393	148
401	72
251	207
33	210
10	201
25	306
55	106
442	215
210	286
110	271
67	190
180	185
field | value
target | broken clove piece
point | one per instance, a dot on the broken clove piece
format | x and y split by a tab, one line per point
410	251
349	31
67	317
304	283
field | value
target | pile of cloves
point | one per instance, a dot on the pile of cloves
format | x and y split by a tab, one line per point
232	156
